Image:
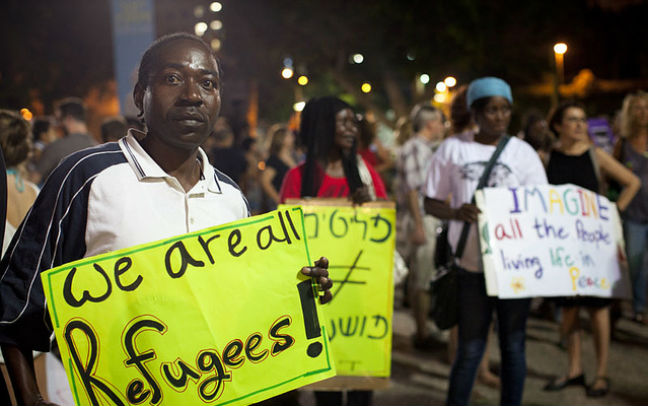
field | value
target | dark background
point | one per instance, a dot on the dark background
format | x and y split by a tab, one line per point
53	49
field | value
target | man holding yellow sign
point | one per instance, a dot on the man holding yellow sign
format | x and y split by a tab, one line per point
144	188
238	351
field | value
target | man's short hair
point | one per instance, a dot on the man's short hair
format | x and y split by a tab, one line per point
40	125
150	59
113	129
72	107
423	113
150	56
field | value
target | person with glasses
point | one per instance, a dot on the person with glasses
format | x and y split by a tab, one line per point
329	132
574	160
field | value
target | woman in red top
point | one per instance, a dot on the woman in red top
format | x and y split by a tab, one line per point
329	131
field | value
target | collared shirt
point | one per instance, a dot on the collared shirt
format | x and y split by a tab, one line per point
413	161
99	200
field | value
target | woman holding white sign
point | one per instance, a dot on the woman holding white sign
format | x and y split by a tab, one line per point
574	160
461	165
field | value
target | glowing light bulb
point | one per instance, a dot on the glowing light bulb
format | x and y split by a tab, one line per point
287	73
560	48
26	114
200	28
450	81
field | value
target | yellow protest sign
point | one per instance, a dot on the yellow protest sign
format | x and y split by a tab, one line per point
218	316
359	243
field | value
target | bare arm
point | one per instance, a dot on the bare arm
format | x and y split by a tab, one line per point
415	210
266	183
613	169
20	365
442	210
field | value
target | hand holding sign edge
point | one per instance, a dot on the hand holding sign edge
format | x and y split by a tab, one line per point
321	275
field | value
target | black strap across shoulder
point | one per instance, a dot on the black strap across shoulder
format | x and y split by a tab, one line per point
482	182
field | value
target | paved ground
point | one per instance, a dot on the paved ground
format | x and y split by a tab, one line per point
421	378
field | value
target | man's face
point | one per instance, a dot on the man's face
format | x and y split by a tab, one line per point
182	99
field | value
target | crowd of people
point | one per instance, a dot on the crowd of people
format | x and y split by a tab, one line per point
66	188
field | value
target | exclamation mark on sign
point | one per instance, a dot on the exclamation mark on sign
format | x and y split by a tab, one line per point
311	322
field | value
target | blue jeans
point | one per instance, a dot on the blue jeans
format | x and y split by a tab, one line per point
636	236
475	315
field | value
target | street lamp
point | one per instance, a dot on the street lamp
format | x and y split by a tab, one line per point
559	51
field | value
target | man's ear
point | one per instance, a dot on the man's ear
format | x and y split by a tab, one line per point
138	97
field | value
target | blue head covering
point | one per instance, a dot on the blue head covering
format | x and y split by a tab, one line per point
488	87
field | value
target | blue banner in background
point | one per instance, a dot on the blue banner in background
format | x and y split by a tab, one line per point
133	32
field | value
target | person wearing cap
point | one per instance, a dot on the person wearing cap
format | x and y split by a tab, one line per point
455	171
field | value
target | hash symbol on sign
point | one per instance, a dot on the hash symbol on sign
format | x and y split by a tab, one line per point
346	280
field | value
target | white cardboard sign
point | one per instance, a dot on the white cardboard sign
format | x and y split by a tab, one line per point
550	241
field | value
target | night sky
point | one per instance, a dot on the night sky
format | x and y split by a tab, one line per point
52	49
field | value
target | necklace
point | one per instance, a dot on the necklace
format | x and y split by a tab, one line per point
20	184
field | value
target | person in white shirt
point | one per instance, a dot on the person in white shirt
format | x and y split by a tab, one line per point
417	241
455	171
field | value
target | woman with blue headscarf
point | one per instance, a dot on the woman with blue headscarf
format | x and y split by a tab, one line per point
455	171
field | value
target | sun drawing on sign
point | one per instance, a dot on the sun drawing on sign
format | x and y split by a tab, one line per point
517	284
